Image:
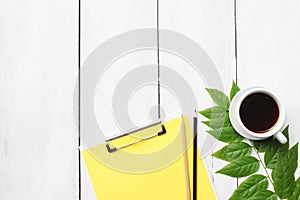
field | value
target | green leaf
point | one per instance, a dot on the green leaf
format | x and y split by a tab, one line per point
285	132
293	157
272	147
226	134
296	193
241	167
264	195
234	90
270	157
250	187
233	151
286	164
218	97
214	112
218	122
283	176
262	145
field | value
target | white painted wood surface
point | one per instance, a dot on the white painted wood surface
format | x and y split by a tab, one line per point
210	24
38	69
100	21
268	52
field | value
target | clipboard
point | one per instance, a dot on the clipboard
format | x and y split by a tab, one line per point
165	181
137	139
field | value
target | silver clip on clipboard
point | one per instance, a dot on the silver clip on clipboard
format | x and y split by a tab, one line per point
114	149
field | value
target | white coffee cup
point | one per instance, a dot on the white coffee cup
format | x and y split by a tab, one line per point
235	119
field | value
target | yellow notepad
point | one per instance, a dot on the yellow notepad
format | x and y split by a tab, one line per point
150	170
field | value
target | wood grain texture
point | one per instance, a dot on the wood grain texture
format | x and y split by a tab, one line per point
38	69
268	49
210	24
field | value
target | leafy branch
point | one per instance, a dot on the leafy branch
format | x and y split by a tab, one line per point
279	161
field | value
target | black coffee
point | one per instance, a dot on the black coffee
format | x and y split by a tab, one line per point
259	112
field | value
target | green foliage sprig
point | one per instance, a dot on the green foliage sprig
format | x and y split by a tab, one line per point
278	161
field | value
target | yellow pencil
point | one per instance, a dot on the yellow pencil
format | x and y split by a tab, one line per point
185	157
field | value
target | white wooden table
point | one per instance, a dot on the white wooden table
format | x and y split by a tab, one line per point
253	42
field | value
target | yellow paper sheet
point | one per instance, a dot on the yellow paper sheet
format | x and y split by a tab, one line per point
112	181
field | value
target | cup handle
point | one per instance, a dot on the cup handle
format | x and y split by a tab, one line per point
280	137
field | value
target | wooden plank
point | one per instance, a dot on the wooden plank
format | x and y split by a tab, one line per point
210	24
38	67
101	21
268	46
